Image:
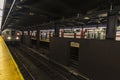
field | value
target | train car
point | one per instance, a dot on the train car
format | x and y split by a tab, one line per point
11	35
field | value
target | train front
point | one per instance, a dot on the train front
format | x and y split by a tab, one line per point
11	36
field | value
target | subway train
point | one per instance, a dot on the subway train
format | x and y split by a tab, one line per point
86	33
11	35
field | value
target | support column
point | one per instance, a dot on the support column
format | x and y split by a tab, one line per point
82	33
41	36
28	38
32	34
62	33
49	34
22	37
74	34
111	26
29	33
38	38
56	31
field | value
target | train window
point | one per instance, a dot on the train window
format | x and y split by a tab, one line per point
13	33
7	32
68	31
77	30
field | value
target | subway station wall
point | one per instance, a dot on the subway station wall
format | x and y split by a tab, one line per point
98	59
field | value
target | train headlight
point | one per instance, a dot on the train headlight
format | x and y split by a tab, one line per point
9	38
17	38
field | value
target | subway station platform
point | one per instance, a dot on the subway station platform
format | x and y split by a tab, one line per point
8	67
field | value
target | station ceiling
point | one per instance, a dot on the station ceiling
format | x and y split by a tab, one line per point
31	13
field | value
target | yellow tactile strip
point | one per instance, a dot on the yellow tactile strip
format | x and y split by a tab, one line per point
8	67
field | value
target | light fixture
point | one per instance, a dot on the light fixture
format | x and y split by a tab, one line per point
86	18
19	7
9	38
31	13
17	38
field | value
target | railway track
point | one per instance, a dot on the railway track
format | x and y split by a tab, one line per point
27	67
22	66
54	71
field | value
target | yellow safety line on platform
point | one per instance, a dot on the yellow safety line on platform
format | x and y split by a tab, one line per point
12	60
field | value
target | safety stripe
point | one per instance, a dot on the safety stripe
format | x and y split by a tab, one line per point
13	60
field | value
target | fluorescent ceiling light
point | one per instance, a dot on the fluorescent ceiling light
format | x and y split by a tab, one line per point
102	15
86	18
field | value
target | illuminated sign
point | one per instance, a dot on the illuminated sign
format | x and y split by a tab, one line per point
75	44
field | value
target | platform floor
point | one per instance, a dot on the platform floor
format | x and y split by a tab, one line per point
8	68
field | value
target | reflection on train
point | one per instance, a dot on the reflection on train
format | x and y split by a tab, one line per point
83	33
95	33
11	35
